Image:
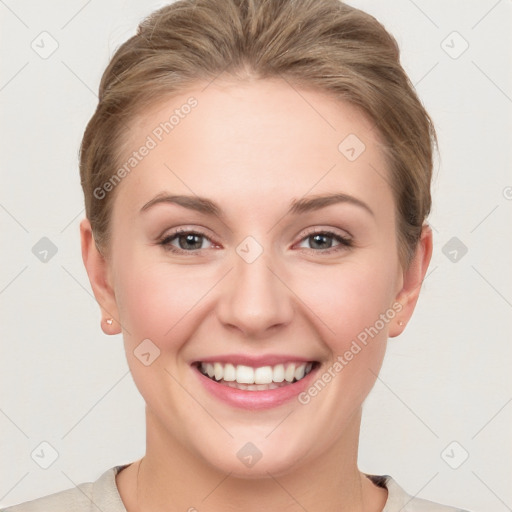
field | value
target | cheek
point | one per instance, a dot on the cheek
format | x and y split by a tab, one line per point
161	303
353	303
155	299
353	307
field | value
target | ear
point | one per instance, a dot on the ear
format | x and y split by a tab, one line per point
413	278
98	271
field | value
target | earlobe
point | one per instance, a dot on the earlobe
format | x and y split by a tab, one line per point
413	278
97	269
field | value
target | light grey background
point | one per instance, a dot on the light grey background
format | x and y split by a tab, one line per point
447	378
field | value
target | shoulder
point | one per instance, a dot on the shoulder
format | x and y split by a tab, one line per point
400	500
101	494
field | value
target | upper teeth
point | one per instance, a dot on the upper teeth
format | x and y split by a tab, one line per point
261	375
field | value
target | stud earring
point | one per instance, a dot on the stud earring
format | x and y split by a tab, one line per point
400	323
109	321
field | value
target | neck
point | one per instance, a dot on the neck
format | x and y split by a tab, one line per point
170	477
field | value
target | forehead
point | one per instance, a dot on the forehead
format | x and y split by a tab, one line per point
246	144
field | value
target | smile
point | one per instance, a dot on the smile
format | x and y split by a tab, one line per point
260	378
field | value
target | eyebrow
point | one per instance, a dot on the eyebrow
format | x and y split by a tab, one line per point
297	206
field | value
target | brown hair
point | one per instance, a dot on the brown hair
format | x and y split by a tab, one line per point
325	45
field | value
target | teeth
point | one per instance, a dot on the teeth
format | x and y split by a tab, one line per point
261	376
229	373
278	373
289	373
244	374
219	371
253	387
299	371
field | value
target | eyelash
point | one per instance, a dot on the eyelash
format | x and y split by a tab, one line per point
344	242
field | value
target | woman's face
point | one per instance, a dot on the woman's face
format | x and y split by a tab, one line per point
264	281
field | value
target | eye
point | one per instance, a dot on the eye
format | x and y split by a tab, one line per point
190	242
323	241
187	241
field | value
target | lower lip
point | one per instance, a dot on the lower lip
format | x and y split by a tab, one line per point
255	399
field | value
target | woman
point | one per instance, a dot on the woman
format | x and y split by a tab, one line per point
256	180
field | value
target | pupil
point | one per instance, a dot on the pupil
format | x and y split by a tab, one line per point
190	240
317	237
317	240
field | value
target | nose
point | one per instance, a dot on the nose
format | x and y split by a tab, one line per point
255	299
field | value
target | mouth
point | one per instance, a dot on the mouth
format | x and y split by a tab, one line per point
261	378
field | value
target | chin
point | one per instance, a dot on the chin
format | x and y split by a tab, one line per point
254	460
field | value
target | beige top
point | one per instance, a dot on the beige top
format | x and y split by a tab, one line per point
103	495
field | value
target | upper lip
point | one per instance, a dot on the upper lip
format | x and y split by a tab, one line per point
254	361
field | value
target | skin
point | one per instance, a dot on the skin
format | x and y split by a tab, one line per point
252	148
